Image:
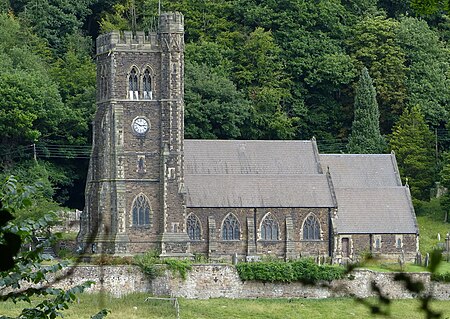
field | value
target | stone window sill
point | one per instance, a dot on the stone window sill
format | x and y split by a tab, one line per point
141	226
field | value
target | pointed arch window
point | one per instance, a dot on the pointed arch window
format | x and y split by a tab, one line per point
269	228
193	227
133	91
147	84
231	228
311	228
141	211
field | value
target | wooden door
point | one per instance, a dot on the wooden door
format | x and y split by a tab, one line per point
345	247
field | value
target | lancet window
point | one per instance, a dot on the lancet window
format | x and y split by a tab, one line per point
269	228
147	85
311	228
231	228
193	227
141	211
133	88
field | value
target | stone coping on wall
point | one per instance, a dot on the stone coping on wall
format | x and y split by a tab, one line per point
222	281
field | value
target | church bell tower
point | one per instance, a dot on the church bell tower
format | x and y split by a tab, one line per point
135	187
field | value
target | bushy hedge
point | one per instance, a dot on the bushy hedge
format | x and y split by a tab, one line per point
303	270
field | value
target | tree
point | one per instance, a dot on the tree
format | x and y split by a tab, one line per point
445	182
428	82
413	145
76	77
53	20
30	103
44	103
366	137
430	6
374	44
22	273
259	71
214	107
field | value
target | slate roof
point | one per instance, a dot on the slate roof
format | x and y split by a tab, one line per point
233	174
369	193
226	173
361	170
249	157
375	210
257	191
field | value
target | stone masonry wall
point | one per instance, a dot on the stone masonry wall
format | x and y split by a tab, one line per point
222	281
225	249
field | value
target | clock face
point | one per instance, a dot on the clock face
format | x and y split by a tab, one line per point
140	125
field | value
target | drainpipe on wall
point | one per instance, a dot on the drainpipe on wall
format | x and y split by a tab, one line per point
255	229
330	235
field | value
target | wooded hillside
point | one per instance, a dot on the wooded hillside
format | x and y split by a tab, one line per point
255	69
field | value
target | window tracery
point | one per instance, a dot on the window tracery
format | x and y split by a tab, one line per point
141	211
269	228
231	228
193	227
311	228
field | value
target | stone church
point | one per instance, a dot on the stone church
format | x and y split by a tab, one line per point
150	189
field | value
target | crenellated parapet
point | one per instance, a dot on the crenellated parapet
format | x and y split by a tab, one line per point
170	23
125	40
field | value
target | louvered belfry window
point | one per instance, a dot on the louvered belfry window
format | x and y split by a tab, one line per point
141	211
193	227
230	228
311	228
133	93
147	83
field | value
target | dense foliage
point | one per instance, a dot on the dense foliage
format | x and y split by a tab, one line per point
25	270
254	70
303	270
413	145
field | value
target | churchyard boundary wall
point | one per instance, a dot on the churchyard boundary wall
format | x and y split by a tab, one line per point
222	281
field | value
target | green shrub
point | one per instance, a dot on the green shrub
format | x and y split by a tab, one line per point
66	253
303	270
442	277
200	258
178	266
266	271
147	262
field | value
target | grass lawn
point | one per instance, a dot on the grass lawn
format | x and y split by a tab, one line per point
134	307
428	230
